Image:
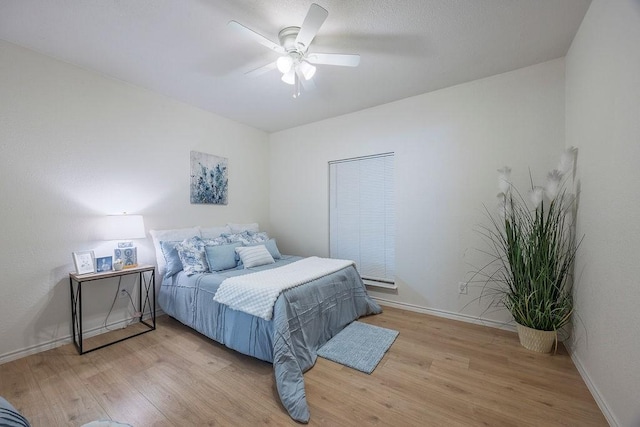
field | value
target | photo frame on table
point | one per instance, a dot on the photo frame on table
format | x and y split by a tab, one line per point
104	263
85	262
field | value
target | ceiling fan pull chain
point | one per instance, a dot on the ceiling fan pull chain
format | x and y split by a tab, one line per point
296	86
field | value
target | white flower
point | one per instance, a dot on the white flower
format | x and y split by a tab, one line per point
567	160
535	195
504	179
553	184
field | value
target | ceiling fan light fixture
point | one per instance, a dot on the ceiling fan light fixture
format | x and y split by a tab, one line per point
307	70
296	64
284	64
289	77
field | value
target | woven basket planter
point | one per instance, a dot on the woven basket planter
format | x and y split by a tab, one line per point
533	339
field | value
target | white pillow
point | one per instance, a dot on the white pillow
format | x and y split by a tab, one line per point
213	232
239	228
178	234
254	256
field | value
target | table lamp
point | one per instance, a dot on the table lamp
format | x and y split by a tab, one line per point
125	228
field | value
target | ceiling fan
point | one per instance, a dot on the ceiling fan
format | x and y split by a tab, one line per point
296	62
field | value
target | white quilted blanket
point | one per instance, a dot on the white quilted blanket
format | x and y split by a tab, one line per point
256	293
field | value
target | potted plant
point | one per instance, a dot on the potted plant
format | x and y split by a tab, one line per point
533	246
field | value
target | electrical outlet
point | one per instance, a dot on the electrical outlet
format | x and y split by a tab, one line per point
462	288
123	293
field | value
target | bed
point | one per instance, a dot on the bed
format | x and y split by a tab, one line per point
304	317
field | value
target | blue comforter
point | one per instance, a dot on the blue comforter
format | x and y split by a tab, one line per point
304	318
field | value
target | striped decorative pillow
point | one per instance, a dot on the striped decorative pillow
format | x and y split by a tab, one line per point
254	256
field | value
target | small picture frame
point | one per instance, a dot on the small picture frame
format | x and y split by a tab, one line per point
85	262
104	263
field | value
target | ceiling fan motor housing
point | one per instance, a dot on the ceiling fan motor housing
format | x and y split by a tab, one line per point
287	37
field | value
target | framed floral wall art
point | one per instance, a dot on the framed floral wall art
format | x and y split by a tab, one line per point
209	179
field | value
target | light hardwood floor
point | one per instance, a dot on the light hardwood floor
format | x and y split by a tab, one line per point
438	372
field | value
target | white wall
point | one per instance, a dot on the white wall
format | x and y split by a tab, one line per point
75	146
448	145
603	121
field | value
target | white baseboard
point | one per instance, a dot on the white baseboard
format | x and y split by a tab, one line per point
446	314
57	342
606	411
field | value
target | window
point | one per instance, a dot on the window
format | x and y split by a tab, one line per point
362	216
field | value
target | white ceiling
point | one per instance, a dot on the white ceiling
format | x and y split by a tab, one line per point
183	48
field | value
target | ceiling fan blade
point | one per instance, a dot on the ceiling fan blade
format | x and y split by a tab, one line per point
249	33
345	60
261	70
312	23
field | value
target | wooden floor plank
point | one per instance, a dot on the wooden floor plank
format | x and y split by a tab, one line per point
64	392
122	400
438	372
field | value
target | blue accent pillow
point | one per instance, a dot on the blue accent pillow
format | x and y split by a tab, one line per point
272	248
174	265
222	257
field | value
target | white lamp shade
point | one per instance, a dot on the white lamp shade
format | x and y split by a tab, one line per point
290	77
307	70
284	64
124	227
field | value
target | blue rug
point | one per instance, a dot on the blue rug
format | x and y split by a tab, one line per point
359	346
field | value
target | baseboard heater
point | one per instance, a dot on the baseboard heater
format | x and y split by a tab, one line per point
380	283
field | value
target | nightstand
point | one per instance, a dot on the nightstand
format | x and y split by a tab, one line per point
146	300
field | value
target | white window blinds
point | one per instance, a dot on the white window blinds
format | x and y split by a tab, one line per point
362	216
